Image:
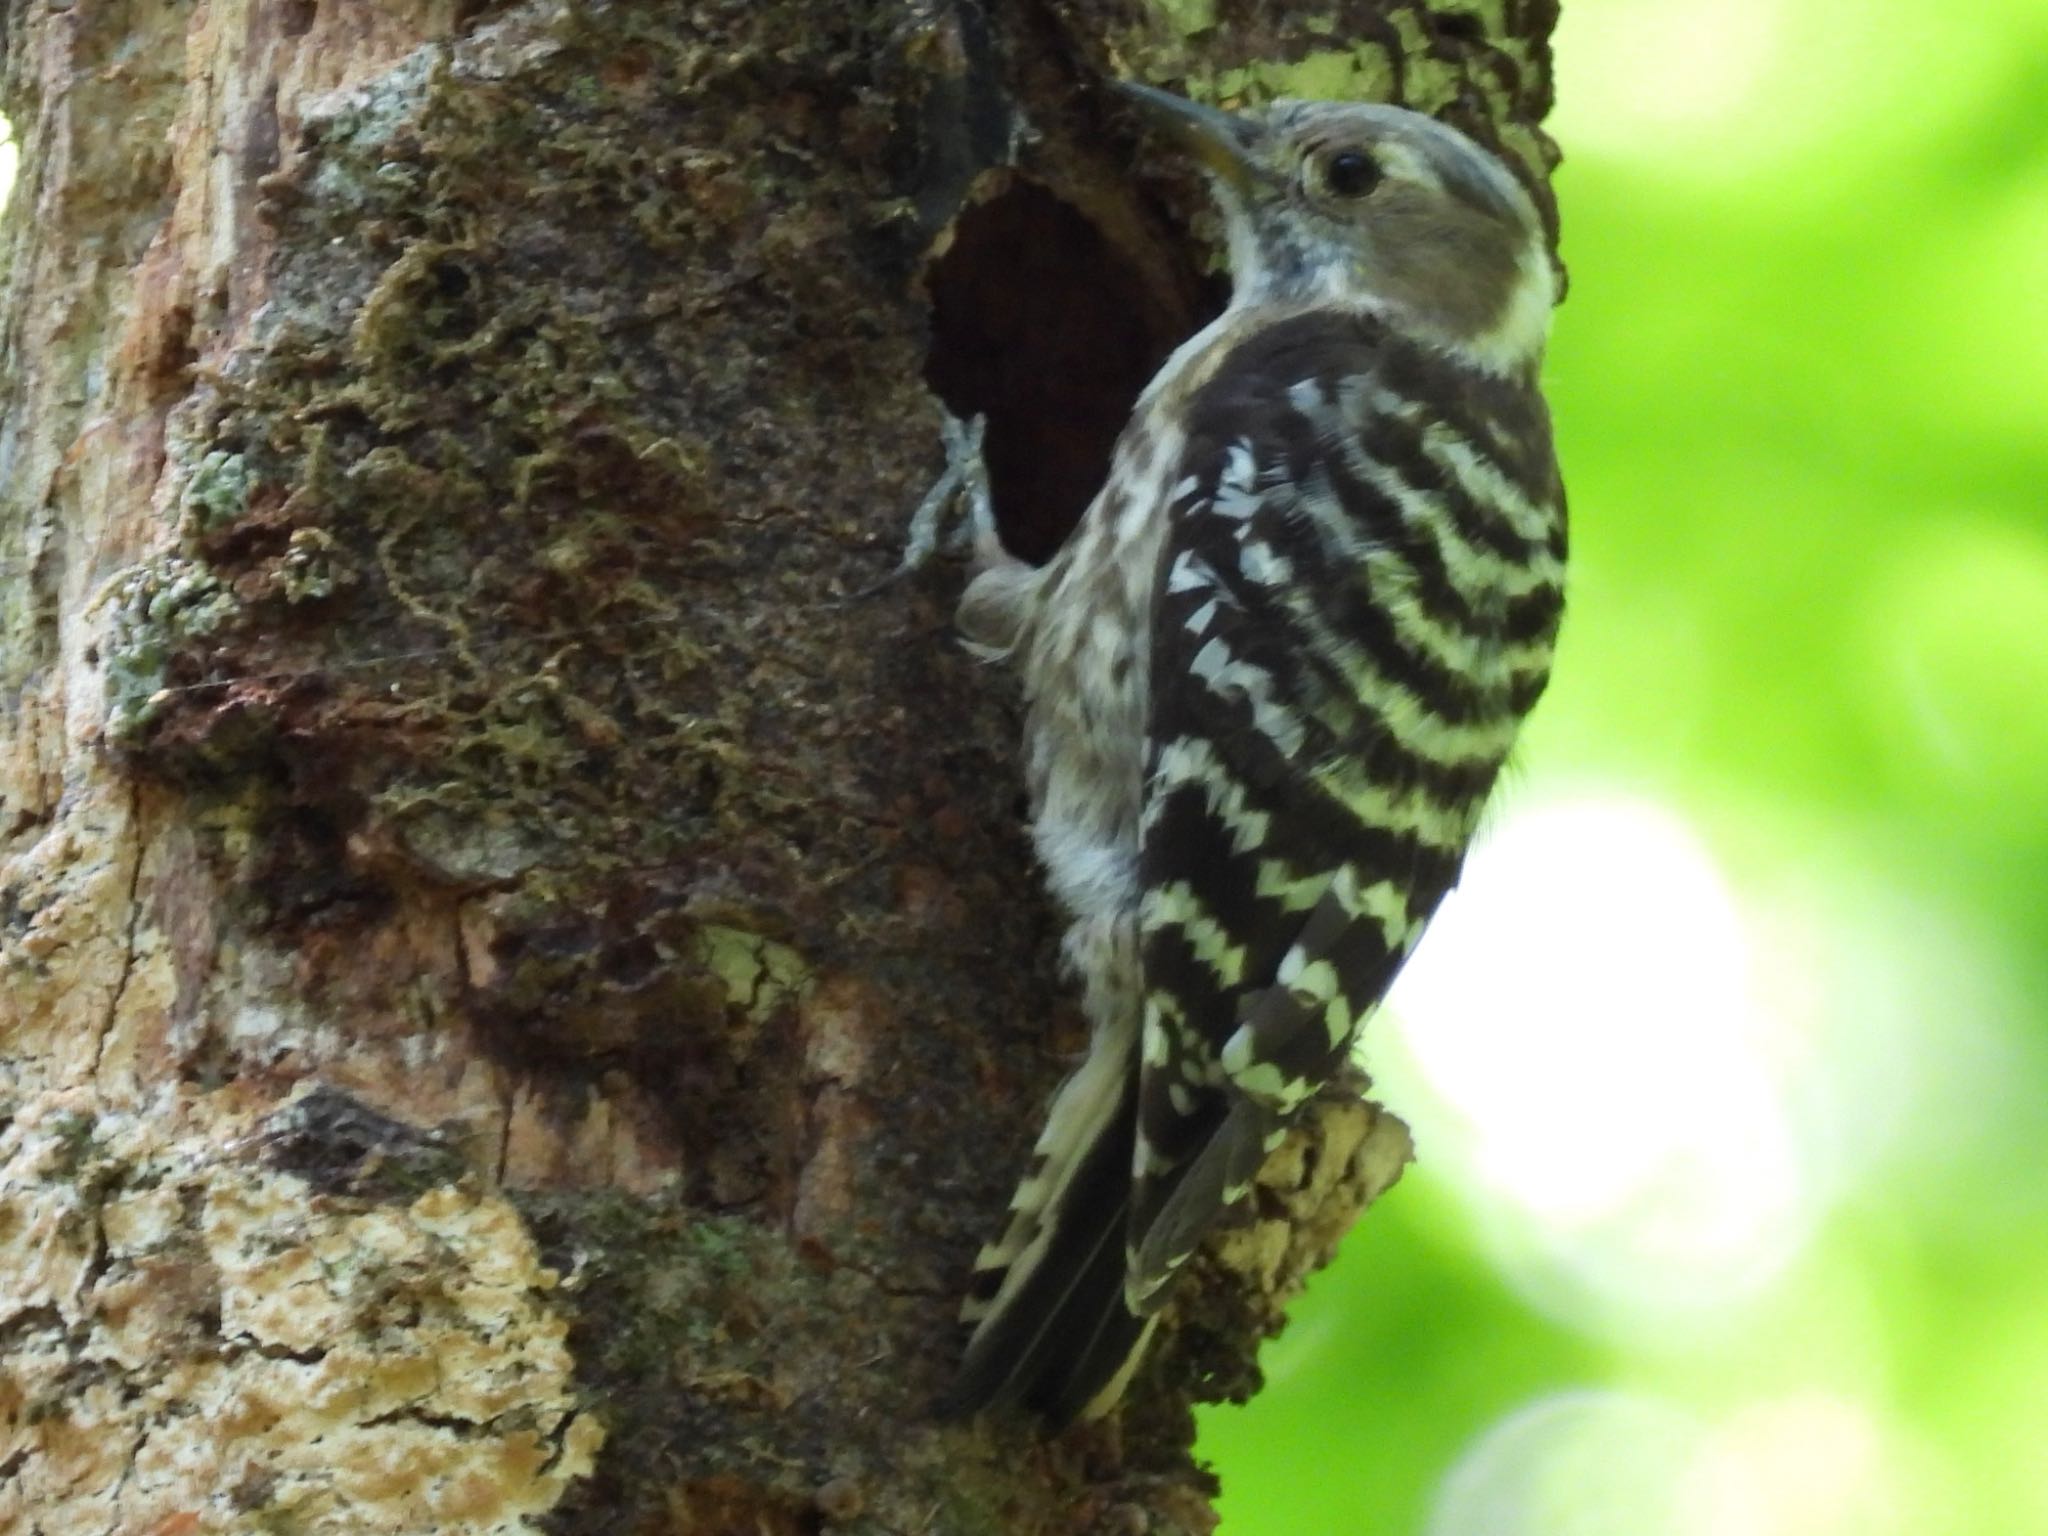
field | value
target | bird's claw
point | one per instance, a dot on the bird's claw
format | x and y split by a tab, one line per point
957	516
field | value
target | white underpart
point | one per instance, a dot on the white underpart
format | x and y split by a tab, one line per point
1248	275
1090	677
1086	763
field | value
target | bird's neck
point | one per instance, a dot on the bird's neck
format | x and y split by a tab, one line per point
1496	321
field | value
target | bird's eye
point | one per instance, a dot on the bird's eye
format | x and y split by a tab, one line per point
1348	173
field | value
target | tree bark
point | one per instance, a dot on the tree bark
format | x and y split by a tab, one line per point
520	991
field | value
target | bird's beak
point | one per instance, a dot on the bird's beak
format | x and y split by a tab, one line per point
1221	142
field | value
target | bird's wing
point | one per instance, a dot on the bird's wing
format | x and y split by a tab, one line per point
1330	708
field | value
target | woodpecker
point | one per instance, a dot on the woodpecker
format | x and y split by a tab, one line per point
1271	678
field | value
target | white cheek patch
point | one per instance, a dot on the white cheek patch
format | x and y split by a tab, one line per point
1518	336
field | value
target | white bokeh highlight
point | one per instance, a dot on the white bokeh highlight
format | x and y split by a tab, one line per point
1611	1462
1581	1463
1722	93
1669	72
1581	1049
1811	1464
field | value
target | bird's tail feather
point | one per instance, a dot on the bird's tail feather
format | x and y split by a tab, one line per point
1085	1108
1058	1330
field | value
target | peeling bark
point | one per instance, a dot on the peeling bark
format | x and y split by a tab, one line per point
520	993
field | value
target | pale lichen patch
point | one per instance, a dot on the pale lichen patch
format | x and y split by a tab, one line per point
1341	1156
1188	18
157	607
1358	72
759	975
285	1359
216	493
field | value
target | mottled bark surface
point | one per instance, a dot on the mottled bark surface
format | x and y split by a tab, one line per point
520	995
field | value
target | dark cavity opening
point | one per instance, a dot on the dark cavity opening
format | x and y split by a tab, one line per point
1042	325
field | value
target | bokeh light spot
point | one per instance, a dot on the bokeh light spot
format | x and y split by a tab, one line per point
1812	1464
1716	94
1577	1043
1587	1463
1627	69
1617	1463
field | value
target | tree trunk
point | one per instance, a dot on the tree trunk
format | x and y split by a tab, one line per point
520	991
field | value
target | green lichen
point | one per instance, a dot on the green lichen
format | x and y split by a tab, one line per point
312	567
1361	72
1175	46
464	842
159	609
759	976
659	1292
216	494
1187	18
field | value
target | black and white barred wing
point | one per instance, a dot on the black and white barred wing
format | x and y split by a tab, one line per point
1357	605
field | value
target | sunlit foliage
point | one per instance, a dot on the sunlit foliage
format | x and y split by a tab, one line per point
1728	1062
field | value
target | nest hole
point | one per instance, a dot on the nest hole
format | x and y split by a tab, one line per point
1043	326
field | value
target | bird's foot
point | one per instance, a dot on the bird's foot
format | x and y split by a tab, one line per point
957	516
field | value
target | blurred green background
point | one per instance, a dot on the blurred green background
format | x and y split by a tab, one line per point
1729	1062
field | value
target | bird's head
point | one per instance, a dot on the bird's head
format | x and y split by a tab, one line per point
1351	203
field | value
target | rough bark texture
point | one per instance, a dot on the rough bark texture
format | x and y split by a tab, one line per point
519	997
